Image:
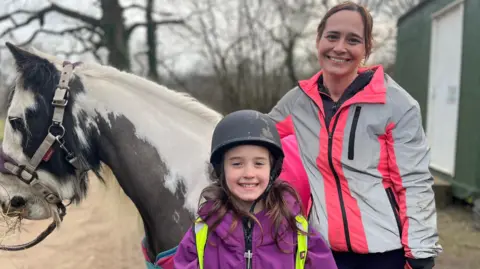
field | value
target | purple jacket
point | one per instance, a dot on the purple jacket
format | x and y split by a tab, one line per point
225	248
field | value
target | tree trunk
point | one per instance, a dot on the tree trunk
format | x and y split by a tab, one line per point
290	62
151	43
116	37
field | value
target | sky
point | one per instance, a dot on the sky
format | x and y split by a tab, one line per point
180	56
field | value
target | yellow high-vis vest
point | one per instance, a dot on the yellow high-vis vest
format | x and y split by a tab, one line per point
201	232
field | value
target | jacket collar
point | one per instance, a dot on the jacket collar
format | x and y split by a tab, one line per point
233	235
374	92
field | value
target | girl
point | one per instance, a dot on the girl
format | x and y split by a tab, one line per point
248	219
362	144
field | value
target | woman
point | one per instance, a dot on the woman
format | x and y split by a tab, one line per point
361	140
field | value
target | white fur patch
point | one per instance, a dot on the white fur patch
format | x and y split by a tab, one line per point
12	140
21	101
176	217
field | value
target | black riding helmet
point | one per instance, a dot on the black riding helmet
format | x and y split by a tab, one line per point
246	127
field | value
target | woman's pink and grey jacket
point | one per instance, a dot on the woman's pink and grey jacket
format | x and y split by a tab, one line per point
368	170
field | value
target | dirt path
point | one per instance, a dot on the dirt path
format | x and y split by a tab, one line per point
103	232
461	242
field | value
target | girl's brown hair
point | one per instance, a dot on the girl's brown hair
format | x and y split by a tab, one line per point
222	201
366	18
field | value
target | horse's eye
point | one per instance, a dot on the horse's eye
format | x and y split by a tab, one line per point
15	121
12	118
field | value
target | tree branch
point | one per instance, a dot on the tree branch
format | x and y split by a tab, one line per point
68	54
142	8
92	48
180	82
156	23
71	31
137	58
76	15
134	6
40	15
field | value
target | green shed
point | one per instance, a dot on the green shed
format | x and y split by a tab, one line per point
437	61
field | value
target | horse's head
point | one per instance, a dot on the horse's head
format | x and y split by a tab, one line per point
45	152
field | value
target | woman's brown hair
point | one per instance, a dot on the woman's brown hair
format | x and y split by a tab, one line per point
366	18
221	201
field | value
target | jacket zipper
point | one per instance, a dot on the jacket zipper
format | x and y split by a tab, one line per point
247	231
335	175
395	208
353	130
337	181
311	207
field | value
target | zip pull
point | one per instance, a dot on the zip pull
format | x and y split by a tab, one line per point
335	107
248	257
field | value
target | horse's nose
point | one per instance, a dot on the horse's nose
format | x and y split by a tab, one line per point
17	202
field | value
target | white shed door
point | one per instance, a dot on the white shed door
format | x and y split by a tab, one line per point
444	86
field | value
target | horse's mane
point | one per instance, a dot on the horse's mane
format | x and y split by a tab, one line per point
111	74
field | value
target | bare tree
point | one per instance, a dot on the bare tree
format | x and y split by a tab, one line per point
240	54
292	18
396	8
386	14
109	31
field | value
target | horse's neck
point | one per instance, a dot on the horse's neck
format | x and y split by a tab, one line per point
180	138
158	154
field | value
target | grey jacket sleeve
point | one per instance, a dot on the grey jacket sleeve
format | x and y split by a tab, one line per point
281	112
409	159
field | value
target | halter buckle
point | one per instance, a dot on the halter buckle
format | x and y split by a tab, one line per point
60	127
60	99
60	103
20	174
52	199
47	194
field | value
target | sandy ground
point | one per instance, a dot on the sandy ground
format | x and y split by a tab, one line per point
103	232
459	238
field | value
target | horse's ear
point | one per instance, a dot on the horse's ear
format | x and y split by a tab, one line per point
21	56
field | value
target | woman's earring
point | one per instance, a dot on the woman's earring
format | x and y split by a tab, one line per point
362	62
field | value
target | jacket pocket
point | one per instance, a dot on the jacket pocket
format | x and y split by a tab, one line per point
395	208
353	130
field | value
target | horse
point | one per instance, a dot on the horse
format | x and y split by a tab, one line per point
64	119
